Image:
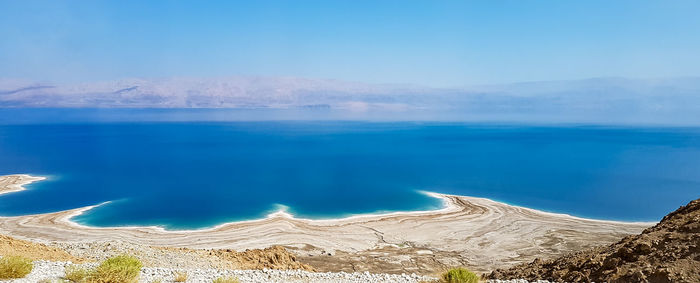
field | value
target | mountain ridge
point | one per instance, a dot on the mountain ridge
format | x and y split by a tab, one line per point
668	100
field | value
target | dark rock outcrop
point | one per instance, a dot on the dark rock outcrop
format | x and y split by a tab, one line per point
667	252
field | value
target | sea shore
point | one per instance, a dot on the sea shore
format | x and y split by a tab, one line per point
476	233
15	183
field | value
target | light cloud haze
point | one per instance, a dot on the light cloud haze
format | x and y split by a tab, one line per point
450	60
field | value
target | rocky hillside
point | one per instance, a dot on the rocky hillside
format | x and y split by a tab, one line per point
667	252
14	247
274	257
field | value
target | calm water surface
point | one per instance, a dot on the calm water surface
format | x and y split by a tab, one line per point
198	174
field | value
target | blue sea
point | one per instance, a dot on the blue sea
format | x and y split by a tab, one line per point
196	174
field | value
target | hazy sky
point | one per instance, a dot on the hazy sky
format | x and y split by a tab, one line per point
434	43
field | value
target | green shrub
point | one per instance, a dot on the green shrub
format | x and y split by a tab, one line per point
118	269
226	280
12	267
459	275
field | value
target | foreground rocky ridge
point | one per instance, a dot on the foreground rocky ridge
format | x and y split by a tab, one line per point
667	252
274	257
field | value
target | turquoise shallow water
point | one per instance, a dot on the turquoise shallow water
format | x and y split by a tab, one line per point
197	174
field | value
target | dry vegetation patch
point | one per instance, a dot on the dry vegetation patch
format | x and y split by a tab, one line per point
181	276
12	267
118	269
226	280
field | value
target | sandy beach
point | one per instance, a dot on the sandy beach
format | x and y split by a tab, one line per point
475	232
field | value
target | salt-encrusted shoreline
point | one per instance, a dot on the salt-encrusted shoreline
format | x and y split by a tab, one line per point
447	206
479	233
16	183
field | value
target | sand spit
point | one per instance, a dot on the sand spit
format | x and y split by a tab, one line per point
15	183
475	232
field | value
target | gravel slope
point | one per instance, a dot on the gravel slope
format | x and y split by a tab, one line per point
53	270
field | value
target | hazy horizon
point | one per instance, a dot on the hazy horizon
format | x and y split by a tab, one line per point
622	62
669	101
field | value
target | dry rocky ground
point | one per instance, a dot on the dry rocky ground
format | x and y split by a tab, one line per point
389	259
275	257
667	252
10	247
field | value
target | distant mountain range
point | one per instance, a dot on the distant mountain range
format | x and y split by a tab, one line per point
650	100
232	92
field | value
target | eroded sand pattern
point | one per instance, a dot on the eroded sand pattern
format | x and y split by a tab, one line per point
475	232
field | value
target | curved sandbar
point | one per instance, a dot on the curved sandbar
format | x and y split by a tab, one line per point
15	183
482	232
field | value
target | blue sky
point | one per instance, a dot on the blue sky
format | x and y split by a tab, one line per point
433	43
